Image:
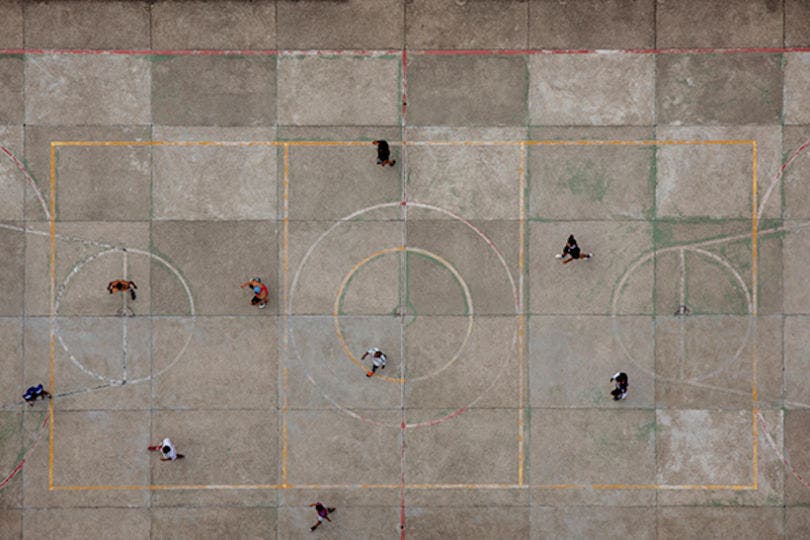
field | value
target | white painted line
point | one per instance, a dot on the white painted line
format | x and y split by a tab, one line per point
682	322
124	318
617	294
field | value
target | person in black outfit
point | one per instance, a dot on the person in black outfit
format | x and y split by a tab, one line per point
620	392
572	249
383	153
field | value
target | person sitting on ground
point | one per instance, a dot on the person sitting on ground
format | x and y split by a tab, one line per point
571	248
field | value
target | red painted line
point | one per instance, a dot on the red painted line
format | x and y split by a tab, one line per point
340	52
438	421
17	162
19	466
13	474
424	52
206	52
141	52
793	156
781	455
402	487
28	179
498	52
796	153
529	52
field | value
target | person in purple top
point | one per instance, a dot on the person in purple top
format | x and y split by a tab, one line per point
323	514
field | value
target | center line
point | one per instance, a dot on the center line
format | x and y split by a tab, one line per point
403	291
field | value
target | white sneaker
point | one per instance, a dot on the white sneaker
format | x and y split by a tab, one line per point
262	306
558	256
590	255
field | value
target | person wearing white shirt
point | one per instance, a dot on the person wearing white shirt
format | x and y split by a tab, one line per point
167	449
378	360
620	392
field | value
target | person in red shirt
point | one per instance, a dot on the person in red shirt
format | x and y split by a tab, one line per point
260	292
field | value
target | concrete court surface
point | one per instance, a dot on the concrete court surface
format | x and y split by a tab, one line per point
216	141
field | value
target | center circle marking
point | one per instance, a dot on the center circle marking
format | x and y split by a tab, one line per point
290	302
406	249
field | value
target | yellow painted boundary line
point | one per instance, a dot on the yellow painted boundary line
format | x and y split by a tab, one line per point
210	143
521	270
521	256
642	143
52	340
285	259
235	487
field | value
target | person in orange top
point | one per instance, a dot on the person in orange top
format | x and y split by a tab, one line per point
260	292
121	285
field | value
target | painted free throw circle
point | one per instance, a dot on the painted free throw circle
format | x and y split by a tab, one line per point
618	293
87	260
